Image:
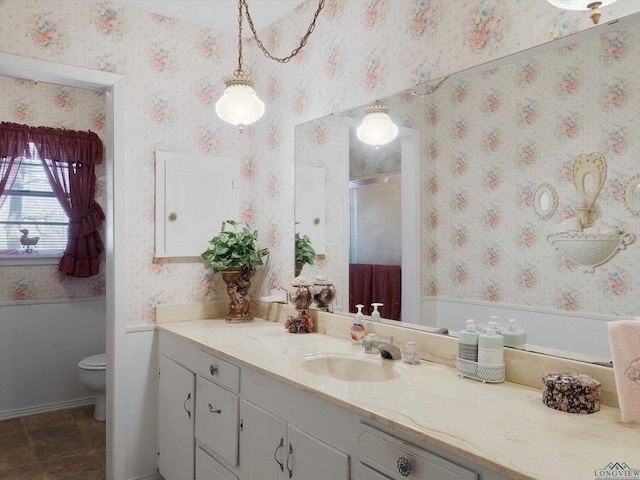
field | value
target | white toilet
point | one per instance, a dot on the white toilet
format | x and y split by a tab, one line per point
92	373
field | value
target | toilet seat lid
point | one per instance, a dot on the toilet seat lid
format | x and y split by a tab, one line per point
95	362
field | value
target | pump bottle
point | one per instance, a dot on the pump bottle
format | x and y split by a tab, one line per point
490	347
357	329
375	315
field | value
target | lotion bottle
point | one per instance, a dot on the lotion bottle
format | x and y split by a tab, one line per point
490	347
357	329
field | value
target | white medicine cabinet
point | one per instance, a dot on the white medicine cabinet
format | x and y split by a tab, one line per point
194	195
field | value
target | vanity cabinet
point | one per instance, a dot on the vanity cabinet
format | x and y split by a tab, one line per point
277	450
220	422
198	413
176	402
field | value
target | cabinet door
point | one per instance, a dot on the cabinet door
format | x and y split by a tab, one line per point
262	445
176	417
308	457
194	194
217	425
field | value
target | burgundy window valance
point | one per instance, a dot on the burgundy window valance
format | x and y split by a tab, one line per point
69	159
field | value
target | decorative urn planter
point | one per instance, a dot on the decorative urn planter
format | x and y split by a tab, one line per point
234	254
238	281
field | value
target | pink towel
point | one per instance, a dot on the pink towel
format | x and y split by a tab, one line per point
624	338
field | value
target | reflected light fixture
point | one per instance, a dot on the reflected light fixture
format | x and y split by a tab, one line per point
239	105
583	5
377	128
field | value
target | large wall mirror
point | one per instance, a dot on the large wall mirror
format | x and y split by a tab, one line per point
472	242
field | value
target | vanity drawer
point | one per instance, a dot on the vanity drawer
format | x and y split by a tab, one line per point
217	414
389	455
219	371
208	468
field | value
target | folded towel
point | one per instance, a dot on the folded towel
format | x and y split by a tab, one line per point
624	338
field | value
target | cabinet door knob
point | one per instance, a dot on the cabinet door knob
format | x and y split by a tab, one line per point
213	369
404	466
173	216
211	410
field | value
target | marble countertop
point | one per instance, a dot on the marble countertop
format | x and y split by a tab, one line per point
504	426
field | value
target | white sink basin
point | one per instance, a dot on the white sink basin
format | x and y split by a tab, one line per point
349	368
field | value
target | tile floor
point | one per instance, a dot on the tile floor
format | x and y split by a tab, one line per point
62	445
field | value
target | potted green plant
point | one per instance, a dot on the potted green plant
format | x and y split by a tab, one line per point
304	252
235	255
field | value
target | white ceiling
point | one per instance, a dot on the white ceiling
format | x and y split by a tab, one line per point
219	14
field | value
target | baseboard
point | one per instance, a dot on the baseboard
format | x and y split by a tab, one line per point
51	407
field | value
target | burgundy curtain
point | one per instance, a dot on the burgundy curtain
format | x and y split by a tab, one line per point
13	146
69	159
376	283
387	289
360	284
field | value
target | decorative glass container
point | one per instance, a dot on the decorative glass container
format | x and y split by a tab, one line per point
324	293
301	296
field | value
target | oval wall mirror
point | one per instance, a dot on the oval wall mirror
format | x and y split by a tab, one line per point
632	195
546	201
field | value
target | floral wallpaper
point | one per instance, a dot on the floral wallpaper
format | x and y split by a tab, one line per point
361	50
42	104
499	137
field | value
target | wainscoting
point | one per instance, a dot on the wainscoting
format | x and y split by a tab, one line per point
41	344
571	331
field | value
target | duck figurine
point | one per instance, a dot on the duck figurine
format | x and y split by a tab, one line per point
27	241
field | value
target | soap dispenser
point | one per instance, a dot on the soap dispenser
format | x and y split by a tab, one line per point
468	349
490	347
357	329
514	337
375	315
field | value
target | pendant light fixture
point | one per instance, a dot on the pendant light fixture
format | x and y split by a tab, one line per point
377	128
583	5
239	105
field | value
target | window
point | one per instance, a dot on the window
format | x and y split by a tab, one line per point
32	205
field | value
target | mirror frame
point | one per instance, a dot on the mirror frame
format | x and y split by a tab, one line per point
629	201
548	212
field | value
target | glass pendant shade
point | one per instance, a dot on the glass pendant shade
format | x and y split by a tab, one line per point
578	4
377	128
239	105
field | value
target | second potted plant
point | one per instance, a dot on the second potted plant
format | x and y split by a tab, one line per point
304	252
235	255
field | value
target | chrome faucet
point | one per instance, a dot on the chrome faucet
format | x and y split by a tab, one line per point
387	349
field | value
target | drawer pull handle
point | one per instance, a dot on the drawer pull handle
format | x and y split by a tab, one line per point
276	453
184	405
404	466
211	410
213	369
288	456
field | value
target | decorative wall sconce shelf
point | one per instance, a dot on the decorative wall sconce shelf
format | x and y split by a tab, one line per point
576	237
591	249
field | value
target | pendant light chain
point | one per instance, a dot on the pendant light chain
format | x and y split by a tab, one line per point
267	54
239	36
